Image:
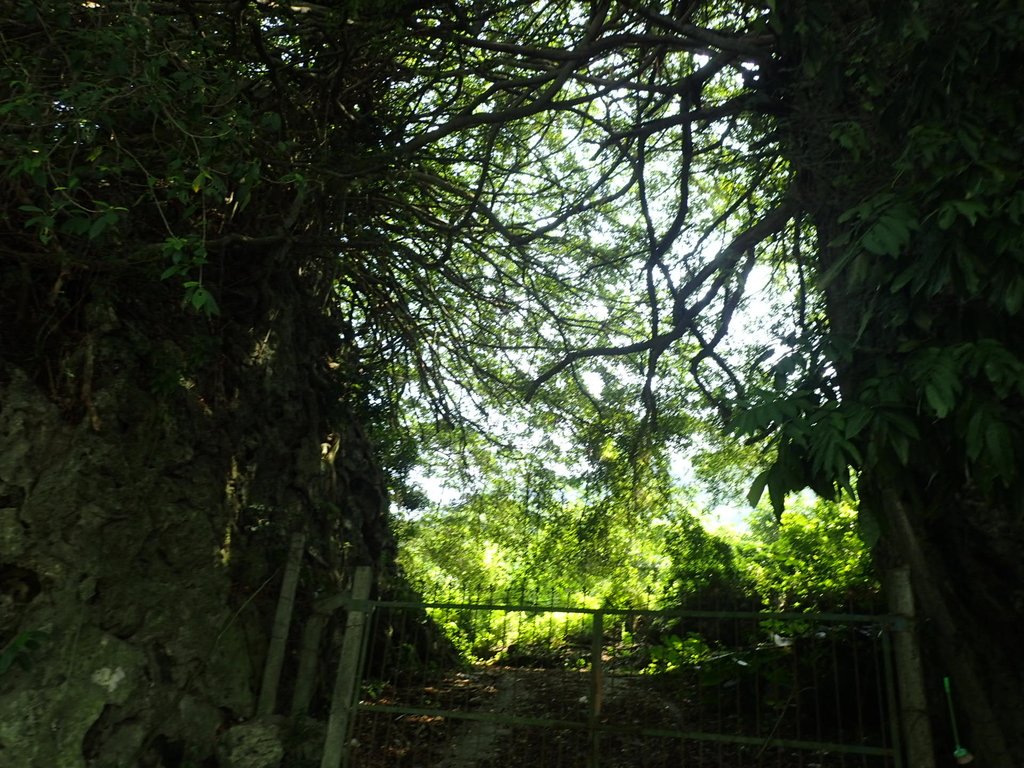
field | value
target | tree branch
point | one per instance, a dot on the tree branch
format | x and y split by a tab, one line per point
771	223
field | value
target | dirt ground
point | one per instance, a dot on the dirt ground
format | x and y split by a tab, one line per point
387	740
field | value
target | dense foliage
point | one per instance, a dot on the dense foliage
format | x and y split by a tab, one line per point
916	199
154	150
525	540
814	557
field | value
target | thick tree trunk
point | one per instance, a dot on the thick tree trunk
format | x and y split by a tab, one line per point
145	513
964	553
156	460
902	110
965	590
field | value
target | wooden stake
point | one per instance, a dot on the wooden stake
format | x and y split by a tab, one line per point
309	652
282	622
336	750
917	729
596	687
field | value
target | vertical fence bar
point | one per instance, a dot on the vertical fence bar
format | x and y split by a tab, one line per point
369	618
596	688
917	729
336	750
890	695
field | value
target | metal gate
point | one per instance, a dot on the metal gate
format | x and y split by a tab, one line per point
704	688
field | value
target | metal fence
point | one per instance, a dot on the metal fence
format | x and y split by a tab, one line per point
532	684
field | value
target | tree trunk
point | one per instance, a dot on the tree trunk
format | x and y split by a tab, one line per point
879	107
961	585
146	504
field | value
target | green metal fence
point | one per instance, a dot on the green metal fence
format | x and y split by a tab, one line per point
565	686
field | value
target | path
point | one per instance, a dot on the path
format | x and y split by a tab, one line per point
478	738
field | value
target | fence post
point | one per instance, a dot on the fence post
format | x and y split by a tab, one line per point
282	622
336	751
596	687
917	731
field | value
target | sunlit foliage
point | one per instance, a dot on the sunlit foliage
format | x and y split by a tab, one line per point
812	558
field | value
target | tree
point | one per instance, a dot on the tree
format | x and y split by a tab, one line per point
195	307
919	257
813	558
529	531
868	156
494	198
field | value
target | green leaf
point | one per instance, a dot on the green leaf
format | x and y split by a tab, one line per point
947	215
940	397
975	437
971	209
890	233
1013	299
199	181
851	137
901	446
172	271
101	224
757	488
999	447
903	278
857	418
202	300
881	239
777	488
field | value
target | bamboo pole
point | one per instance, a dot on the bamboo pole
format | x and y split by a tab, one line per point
305	678
282	622
347	679
309	651
596	688
917	730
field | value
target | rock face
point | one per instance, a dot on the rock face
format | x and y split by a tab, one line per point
143	530
256	744
105	552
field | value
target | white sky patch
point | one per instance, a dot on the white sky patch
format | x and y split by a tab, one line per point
593	382
726	518
722	517
437	490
